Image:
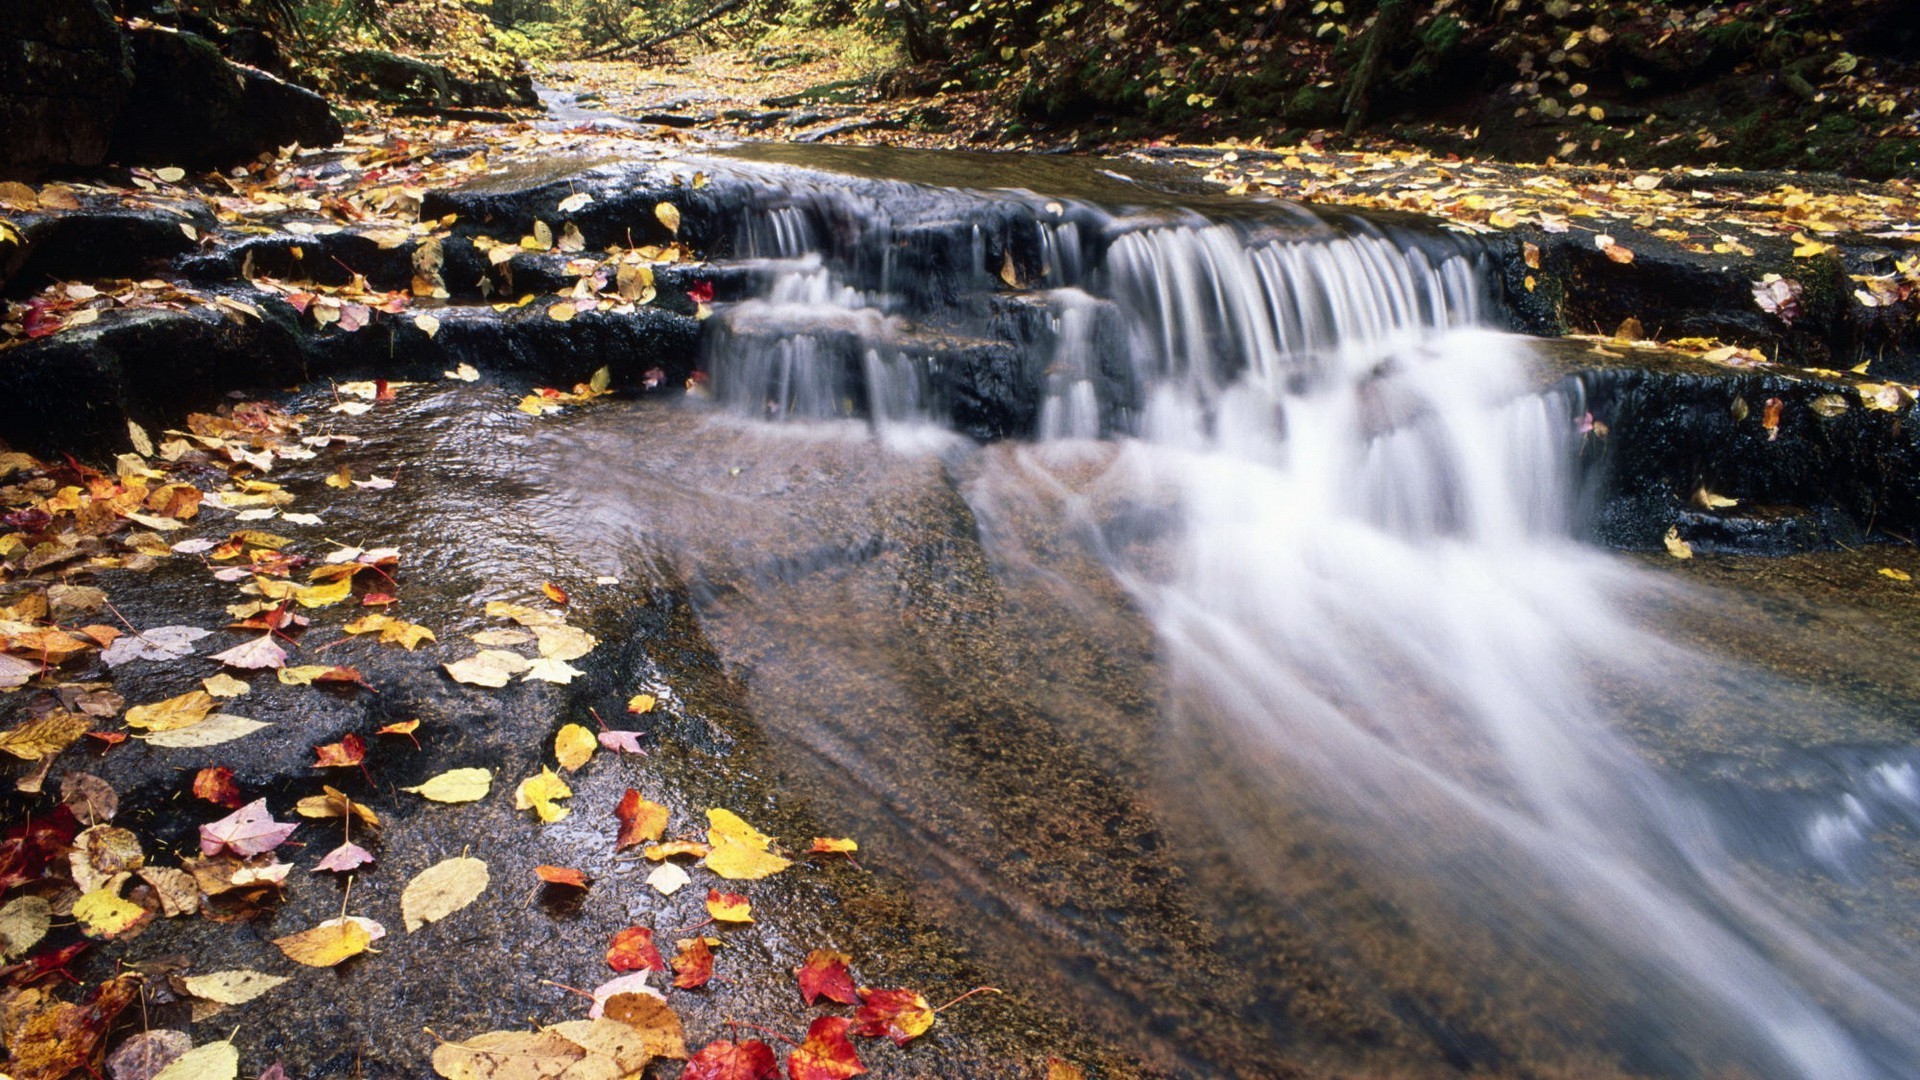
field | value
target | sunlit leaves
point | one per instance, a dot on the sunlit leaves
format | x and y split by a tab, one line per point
900	1015
641	820
573	746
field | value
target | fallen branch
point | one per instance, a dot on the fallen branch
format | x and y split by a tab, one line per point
658	40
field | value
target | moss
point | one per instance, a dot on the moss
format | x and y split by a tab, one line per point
1314	106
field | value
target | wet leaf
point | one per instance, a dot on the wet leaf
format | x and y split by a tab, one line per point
45	737
331	942
349	752
214	730
335	803
668	878
223	685
693	967
442	889
213	1061
827	1054
749	1059
456	786
215	784
235	987
145	1053
1061	1069
1677	547
573	746
103	854
1885	571
1770	417
641	703
163	643
900	1015
512	1055
656	1021
1829	405
23	922
1707	500
176	712
621	742
641	820
635	983
563	875
537	793
728	907
825	975
626	1049
827	845
392	631
1612	249
564	642
668	850
48	1039
489	667
740	852
247	831
669	216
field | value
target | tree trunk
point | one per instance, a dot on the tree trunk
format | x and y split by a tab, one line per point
1391	25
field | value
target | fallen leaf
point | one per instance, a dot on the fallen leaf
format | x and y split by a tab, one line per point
349	752
1677	547
618	1045
740	852
621	742
668	878
515	1055
1829	405
176	712
827	1054
456	786
826	845
489	667
212	1061
145	1053
215	784
1612	249
442	889
1060	1069
694	966
1885	571
749	1059
825	975
632	949
669	216
564	642
635	983
48	1039
728	907
247	831
573	746
641	820
334	803
45	737
649	1013
1770	417
641	703
348	856
261	652
23	922
563	875
331	942
668	850
235	987
900	1015
162	643
103	913
392	631
214	730
537	793
223	685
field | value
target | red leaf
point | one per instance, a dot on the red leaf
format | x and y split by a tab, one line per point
641	821
825	975
351	750
827	1054
33	845
563	875
700	292
694	966
39	966
900	1015
722	1060
632	950
215	784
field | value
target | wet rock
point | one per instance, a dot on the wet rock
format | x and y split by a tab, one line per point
105	239
65	72
190	107
410	81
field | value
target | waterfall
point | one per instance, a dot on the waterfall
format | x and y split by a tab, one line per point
1369	600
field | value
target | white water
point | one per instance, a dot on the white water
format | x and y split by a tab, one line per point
1373	606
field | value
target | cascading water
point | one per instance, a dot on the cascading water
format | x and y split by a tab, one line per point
1347	513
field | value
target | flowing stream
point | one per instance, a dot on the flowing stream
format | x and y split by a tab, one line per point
1285	550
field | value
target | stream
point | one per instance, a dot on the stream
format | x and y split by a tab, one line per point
1260	704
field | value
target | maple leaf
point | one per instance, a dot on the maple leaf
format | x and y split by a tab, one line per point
749	1059
740	852
563	875
350	751
621	742
249	830
632	949
346	857
901	1015
825	975
827	1054
261	652
215	784
694	966
537	793
728	907
641	820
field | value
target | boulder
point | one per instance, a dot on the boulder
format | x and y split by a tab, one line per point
65	72
405	80
191	107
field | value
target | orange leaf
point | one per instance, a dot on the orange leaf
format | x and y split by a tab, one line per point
668	850
825	975
827	845
641	820
728	907
1059	1069
404	727
633	950
215	784
694	966
562	875
351	750
827	1054
554	593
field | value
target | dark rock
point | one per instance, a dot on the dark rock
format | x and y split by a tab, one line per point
676	120
65	72
112	239
191	108
406	80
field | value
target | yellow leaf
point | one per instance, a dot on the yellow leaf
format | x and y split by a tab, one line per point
740	852
225	685
669	216
456	786
301	674
574	746
313	596
520	1055
1677	547
44	737
562	312
330	942
176	712
103	913
1897	575
641	703
728	907
211	1061
392	631
537	793
442	889
231	987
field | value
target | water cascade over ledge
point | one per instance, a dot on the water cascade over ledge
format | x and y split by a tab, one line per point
1302	452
